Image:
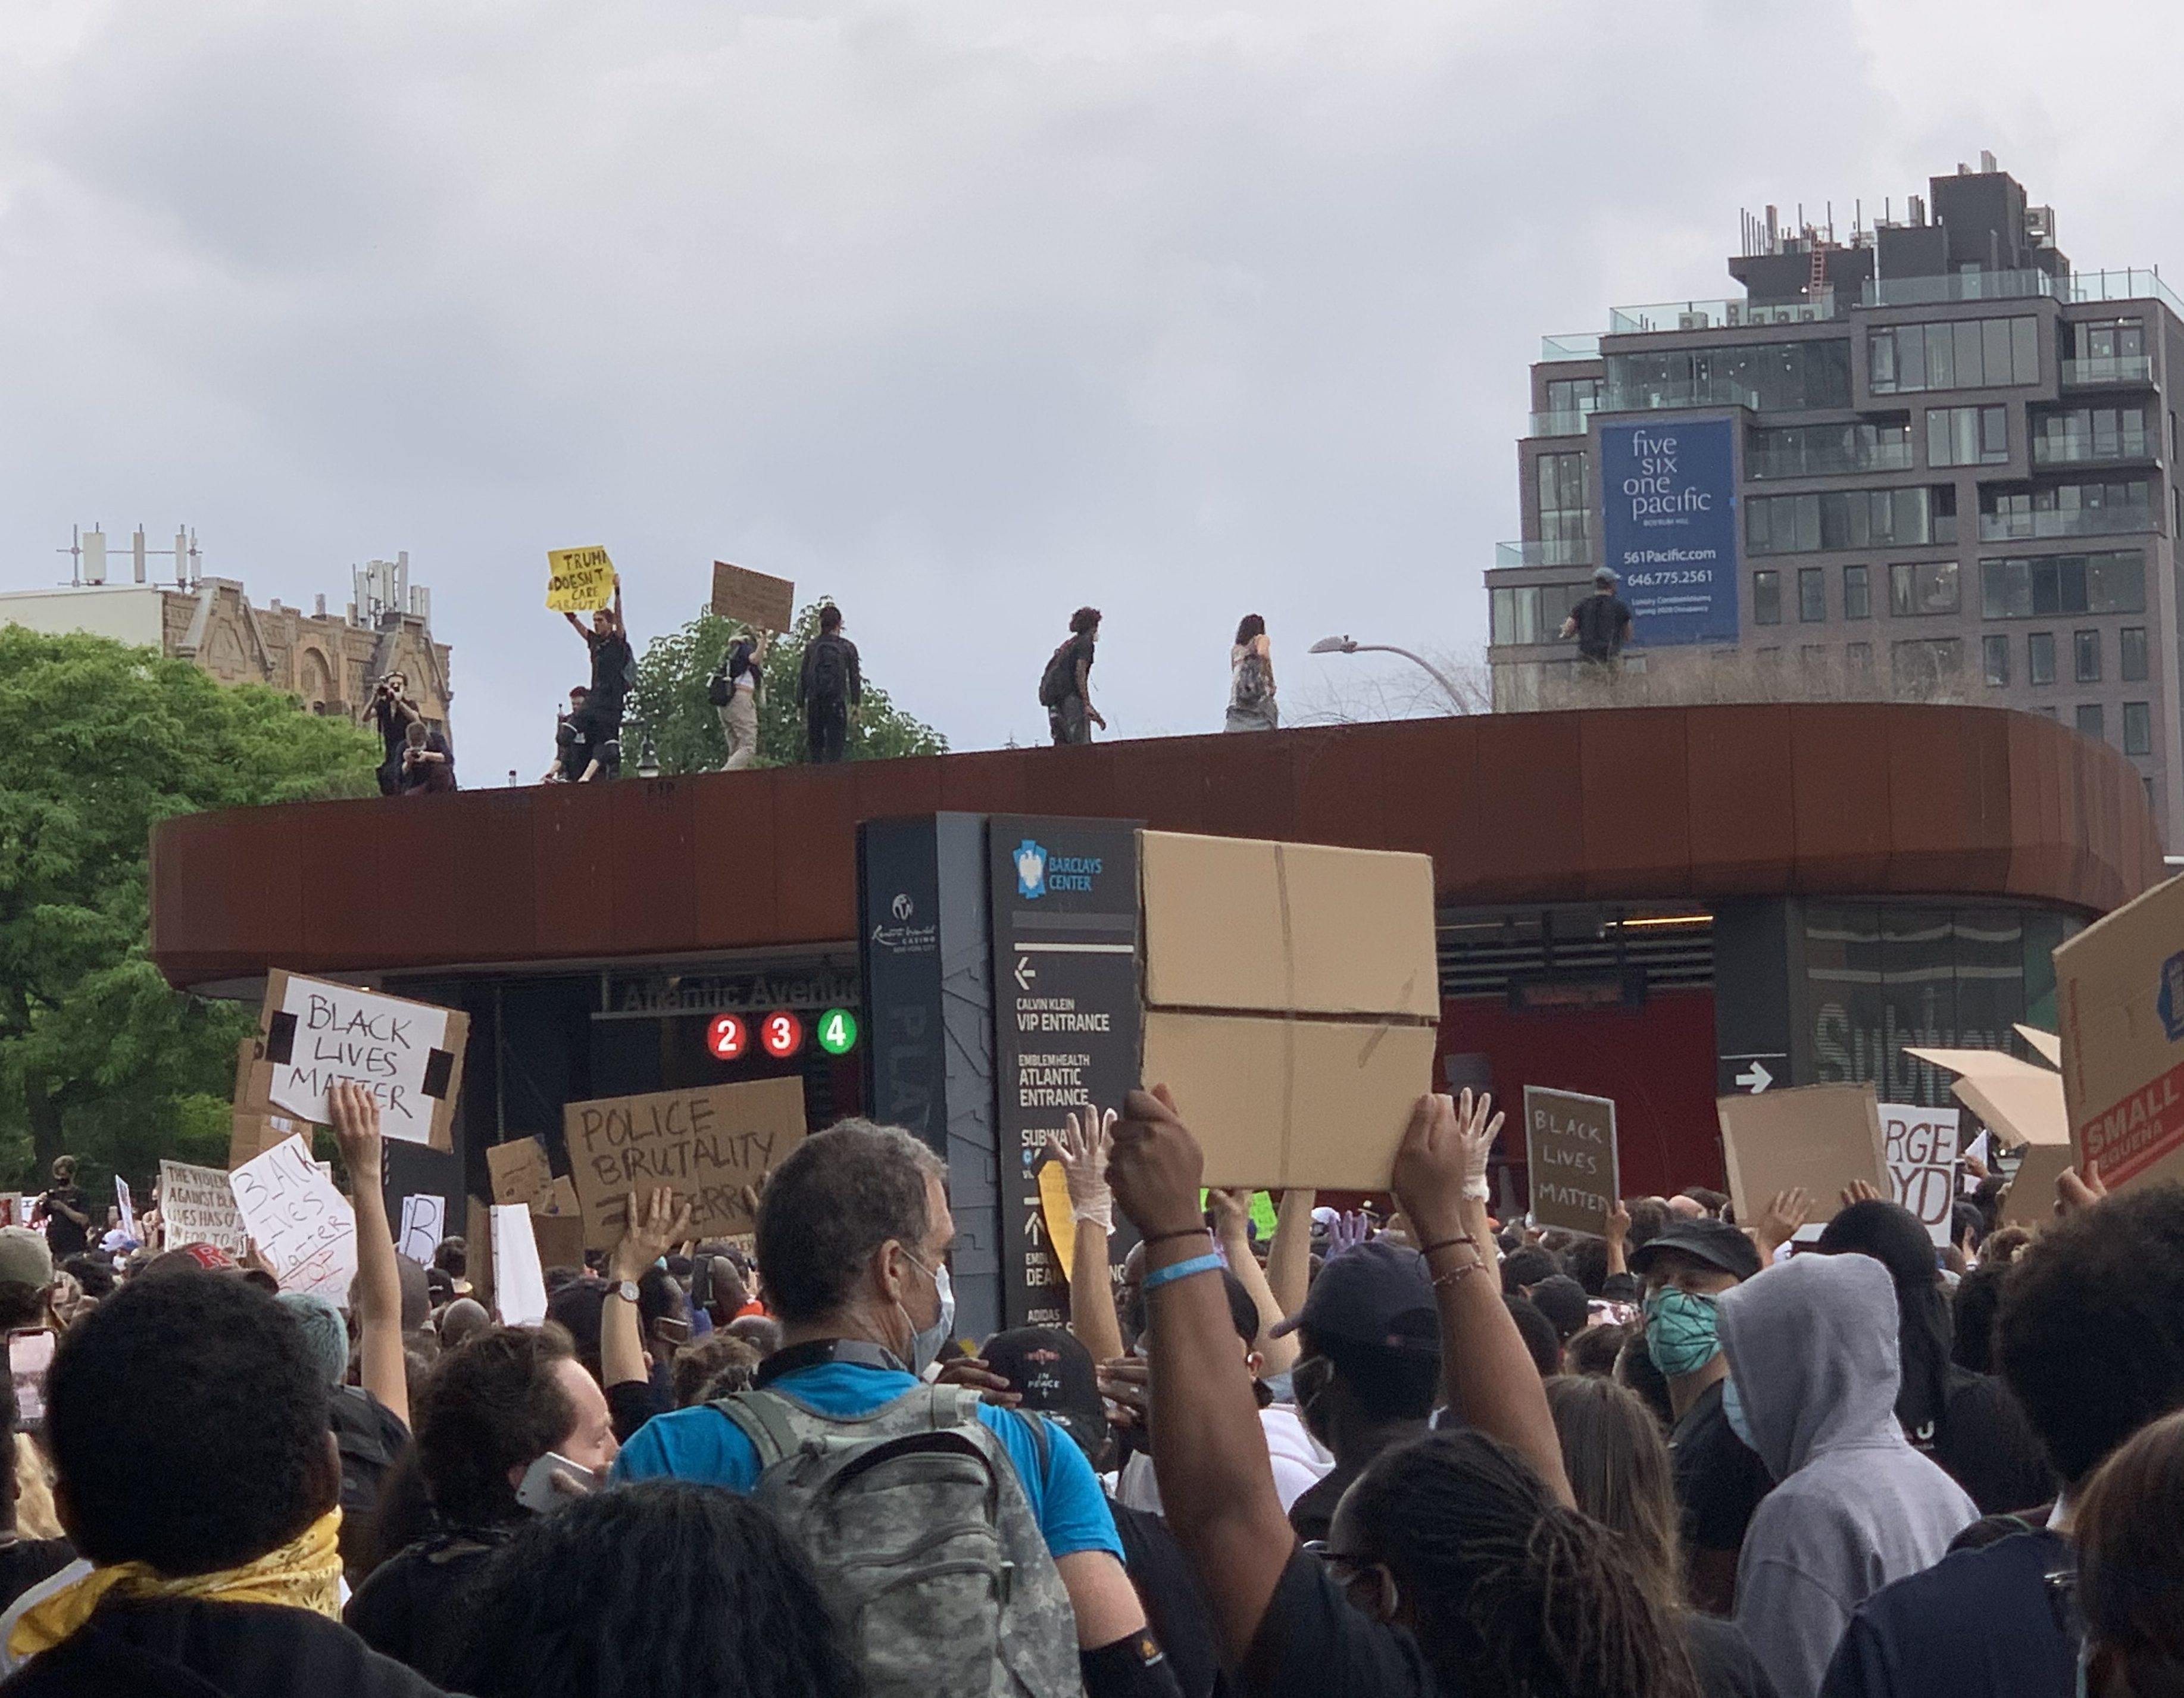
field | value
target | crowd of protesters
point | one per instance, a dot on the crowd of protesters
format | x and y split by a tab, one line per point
1424	1454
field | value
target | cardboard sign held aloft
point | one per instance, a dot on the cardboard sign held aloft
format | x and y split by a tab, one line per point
1569	1149
519	1280
2119	991
2022	1103
251	1134
1818	1136
578	580
409	1055
303	1226
198	1207
519	1170
708	1143
1291	996
763	603
1919	1145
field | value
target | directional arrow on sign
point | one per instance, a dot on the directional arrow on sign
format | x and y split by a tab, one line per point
1032	1229
1025	972
1756	1078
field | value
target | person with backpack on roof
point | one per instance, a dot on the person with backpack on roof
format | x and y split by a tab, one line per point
828	687
1065	688
614	662
735	689
1251	678
965	1548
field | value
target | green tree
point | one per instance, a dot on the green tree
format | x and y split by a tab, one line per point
98	1055
685	727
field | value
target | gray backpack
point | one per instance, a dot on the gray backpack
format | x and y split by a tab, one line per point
923	1540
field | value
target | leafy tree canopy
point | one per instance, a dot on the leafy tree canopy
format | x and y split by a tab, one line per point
686	728
98	1055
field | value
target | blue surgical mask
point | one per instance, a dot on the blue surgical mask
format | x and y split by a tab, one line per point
1679	1330
927	1343
1732	1410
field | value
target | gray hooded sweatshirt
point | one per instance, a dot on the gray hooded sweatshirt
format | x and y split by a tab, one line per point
1811	1348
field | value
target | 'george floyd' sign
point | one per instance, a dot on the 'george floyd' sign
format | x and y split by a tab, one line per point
1919	1147
1569	1149
707	1142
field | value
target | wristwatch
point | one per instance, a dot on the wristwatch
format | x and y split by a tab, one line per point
625	1290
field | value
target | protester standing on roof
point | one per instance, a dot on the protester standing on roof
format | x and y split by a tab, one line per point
829	685
1251	678
1601	623
1065	688
614	663
736	689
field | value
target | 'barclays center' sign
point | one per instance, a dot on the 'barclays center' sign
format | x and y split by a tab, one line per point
1668	493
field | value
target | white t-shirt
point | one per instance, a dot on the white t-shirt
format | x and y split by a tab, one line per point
1298	1463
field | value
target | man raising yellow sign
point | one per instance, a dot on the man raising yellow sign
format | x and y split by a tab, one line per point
578	579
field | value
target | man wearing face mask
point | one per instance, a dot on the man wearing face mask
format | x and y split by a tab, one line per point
854	1231
1719	1479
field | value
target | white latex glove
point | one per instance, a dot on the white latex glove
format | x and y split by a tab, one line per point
1478	1134
1081	1147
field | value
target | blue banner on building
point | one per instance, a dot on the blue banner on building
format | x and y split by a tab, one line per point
1668	493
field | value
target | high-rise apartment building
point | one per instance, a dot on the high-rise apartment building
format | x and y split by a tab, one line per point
1933	458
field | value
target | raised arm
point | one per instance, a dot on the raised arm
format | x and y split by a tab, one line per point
1232	1218
1486	1372
378	1292
578	625
1082	1148
647	1235
1209	1452
1289	1258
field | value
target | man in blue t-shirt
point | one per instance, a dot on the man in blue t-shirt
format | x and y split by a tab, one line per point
853	1236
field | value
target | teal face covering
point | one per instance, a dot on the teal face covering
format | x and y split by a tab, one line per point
1679	1330
1732	1409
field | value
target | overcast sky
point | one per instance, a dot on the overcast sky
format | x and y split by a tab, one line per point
963	311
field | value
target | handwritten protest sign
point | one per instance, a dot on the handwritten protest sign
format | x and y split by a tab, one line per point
519	1282
424	1224
303	1226
763	603
708	1143
519	1170
1919	1145
578	579
253	1134
1817	1137
1569	1145
409	1055
127	1204
198	1207
557	1200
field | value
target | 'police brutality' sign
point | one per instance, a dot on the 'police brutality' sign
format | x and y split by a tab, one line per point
708	1144
1569	1152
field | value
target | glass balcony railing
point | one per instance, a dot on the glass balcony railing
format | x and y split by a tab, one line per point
1638	397
1562	552
1830	462
2109	368
1961	286
1661	317
1583	344
2130	284
2077	448
1569	423
2073	521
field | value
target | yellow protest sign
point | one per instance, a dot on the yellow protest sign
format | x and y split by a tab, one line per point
578	579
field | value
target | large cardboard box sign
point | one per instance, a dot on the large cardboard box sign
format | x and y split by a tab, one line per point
2022	1103
1290	995
519	1170
708	1142
1818	1136
2120	994
763	603
1570	1159
312	1032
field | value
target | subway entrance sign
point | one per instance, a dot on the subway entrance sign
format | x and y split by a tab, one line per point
1669	527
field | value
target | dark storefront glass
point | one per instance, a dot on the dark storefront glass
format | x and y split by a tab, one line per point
1880	976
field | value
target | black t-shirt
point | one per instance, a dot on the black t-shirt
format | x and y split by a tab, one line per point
1989	1447
1313	1643
1600	618
1082	647
1978	1624
62	1236
1721	1659
416	1606
1175	1604
1719	1479
611	659
26	1562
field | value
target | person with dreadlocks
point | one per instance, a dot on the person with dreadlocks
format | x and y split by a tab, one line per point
1457	1563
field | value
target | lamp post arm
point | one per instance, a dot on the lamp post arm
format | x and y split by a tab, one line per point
1439	677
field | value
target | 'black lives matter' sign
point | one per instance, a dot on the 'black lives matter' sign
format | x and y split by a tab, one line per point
1064	898
1569	1147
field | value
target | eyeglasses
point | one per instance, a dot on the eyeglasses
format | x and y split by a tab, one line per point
1346	1569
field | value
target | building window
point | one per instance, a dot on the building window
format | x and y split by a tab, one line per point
1573	395
2086	656
1926	586
2065	510
2045	585
1769	377
1857	592
1840	519
1532	612
1828	450
1967	436
1813	657
1858	657
1994	660
2117	338
2137	729
2040	658
2082	434
1766	598
1811	595
1565	507
1963	354
2091	721
1927	663
2130	654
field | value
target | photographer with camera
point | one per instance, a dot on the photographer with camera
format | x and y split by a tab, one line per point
392	712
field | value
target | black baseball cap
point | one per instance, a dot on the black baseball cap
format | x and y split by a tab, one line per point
1053	1374
1715	1242
1377	1294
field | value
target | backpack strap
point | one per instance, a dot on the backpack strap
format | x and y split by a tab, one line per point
762	1418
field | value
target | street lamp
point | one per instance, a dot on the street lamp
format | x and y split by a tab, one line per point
1347	645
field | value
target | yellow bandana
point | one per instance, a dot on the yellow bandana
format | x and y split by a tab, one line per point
304	1574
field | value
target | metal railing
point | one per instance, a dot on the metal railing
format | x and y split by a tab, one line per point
1761	463
1961	286
2073	447
2072	522
1558	553
2109	368
2129	284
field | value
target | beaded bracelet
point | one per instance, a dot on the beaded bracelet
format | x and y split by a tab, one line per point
1454	1274
1175	1270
